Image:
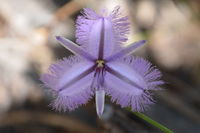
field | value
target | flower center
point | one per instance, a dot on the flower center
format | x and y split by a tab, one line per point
100	63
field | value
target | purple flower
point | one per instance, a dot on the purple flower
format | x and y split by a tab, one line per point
101	66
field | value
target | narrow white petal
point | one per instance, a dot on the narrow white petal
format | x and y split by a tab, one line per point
100	99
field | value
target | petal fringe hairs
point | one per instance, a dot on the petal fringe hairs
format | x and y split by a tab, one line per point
101	66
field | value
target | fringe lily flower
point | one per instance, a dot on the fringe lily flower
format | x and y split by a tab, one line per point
101	66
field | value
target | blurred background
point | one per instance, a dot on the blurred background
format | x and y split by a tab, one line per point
28	46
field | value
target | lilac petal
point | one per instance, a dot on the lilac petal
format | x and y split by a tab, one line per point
102	42
84	24
100	99
99	34
90	14
101	39
124	84
125	51
75	95
74	48
126	94
121	26
56	70
94	38
70	79
151	74
126	74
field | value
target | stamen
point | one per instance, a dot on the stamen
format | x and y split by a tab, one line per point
100	63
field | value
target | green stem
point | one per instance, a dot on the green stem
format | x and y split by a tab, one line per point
152	122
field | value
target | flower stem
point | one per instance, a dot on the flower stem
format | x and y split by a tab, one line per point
152	122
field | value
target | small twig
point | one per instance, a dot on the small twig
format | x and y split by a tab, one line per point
64	12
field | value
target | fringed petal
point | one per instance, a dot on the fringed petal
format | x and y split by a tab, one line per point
100	40
124	94
121	25
100	34
55	71
125	73
84	24
135	70
75	95
150	73
70	79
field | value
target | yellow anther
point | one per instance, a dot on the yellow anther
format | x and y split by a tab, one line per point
100	63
